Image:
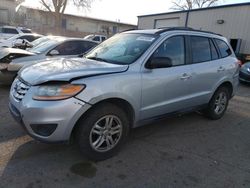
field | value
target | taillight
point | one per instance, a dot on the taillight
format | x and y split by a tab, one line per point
239	63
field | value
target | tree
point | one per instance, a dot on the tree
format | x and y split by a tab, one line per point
191	4
57	7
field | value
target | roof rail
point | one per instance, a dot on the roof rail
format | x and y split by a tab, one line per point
164	29
183	29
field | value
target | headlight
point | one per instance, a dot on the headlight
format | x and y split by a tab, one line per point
57	92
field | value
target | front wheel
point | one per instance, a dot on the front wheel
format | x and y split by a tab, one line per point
103	131
218	104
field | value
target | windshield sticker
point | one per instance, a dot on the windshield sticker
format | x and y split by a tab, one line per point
148	39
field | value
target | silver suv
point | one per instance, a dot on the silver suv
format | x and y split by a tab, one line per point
127	81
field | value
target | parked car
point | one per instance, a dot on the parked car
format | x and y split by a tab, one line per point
41	40
244	75
11	60
127	81
9	31
97	38
20	41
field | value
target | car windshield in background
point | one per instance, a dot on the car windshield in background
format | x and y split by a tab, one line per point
13	37
39	41
122	48
44	46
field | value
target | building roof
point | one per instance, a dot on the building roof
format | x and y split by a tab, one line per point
83	17
198	9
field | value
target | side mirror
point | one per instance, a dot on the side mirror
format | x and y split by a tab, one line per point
159	62
18	43
53	53
22	43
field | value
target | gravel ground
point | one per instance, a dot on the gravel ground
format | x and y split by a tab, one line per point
185	151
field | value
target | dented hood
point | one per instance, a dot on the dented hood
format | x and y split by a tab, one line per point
12	53
67	70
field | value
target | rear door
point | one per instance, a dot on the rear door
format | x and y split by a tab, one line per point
205	67
166	90
229	63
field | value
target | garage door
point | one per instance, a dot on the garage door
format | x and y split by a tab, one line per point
170	22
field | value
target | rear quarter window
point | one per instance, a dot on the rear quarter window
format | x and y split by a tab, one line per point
224	49
26	31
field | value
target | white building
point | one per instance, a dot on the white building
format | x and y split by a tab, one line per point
231	21
78	26
7	11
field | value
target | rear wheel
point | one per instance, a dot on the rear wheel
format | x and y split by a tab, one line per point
103	131
218	104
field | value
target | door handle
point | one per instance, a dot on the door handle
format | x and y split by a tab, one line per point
185	76
221	69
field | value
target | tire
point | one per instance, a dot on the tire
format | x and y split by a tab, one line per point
218	104
96	131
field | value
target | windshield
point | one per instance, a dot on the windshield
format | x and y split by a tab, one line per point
39	41
89	37
122	48
13	37
44	46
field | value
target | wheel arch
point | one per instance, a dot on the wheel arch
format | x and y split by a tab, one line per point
126	106
226	84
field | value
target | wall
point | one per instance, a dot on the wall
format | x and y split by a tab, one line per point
236	22
7	11
148	22
74	26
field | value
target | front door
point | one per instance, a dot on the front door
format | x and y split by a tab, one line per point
166	90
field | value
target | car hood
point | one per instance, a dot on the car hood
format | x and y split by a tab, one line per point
7	54
67	70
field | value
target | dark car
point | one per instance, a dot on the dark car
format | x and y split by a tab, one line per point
245	73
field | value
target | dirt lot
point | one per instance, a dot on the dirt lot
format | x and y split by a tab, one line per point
186	151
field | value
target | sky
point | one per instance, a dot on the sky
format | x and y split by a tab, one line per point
125	11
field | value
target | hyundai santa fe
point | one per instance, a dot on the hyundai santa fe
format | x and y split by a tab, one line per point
125	82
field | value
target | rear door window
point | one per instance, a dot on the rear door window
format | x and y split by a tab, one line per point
200	49
69	48
86	46
224	49
96	38
103	38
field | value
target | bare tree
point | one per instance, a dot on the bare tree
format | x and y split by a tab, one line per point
57	7
191	4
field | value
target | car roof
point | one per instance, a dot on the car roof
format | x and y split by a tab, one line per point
29	34
168	29
63	39
13	27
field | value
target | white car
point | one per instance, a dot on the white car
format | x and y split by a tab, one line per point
96	38
11	59
19	40
9	31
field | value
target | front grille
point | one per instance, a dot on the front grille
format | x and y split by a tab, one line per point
19	89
